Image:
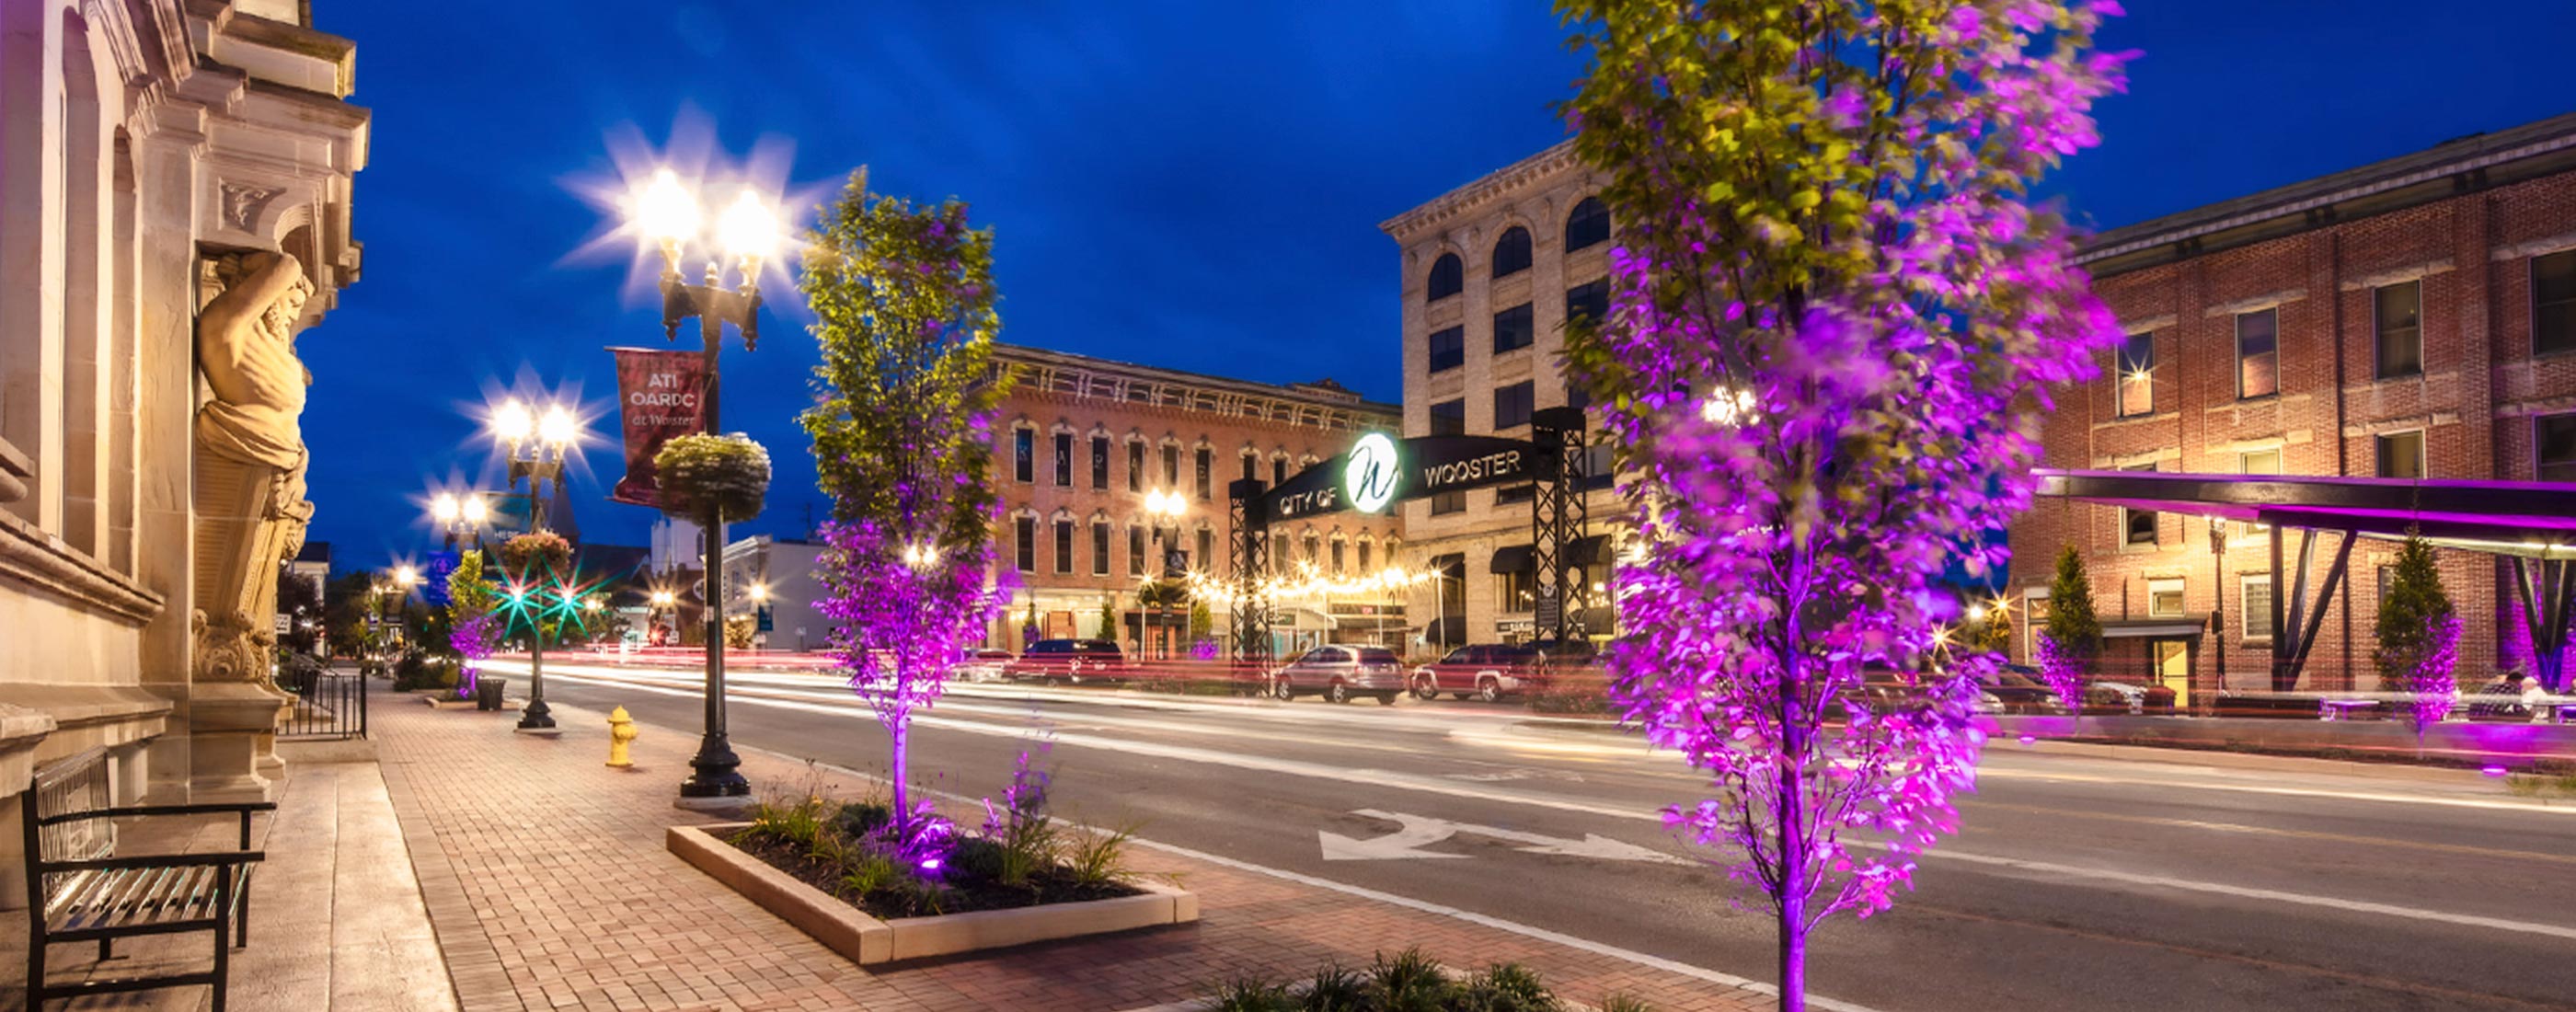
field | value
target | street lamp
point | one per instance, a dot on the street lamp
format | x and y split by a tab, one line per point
454	515
667	213
535	444
660	601
1167	509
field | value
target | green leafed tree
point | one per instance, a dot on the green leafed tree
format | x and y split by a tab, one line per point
2411	615
1108	618
2072	623
903	302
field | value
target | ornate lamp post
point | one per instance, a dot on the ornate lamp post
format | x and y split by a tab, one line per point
2217	604
1167	509
535	445
454	515
661	601
667	213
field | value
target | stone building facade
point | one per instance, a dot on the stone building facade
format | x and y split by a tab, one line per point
1078	444
174	207
2410	318
1489	272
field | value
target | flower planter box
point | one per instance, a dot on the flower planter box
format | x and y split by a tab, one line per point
866	940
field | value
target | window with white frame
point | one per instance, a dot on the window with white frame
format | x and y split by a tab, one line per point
2133	390
2258	353
2397	321
2254	605
2164	598
2400	454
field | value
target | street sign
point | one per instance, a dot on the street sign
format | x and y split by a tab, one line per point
764	618
1550	608
285	624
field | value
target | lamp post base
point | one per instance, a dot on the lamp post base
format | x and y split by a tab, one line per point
537	718
714	771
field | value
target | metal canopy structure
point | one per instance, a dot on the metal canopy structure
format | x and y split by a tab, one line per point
2531	523
1379	471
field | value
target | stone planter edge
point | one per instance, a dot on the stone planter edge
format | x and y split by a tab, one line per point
867	940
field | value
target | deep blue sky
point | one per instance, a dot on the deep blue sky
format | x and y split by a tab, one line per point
1185	184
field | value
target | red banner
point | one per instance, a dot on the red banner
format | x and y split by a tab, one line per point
660	394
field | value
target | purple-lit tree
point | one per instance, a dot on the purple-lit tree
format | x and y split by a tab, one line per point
473	631
903	304
2418	633
1834	322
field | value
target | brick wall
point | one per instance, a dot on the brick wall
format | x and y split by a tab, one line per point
2474	400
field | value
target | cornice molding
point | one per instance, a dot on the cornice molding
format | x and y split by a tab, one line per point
1455	203
45	562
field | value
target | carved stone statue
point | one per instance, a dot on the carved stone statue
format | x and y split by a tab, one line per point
250	459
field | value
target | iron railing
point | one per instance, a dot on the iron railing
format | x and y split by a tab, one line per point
328	704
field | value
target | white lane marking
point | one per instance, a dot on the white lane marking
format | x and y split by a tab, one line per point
1389	778
1420	830
1515	927
2153	882
2296	792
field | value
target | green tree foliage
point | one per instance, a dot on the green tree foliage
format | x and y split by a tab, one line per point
1202	621
1108	618
2408	614
2072	623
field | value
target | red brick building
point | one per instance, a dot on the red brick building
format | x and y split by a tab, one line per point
1078	444
2410	318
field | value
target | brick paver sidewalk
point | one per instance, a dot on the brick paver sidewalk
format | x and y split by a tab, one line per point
549	887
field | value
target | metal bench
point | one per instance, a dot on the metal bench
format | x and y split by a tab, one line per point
78	890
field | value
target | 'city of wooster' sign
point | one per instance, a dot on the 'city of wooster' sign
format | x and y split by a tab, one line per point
1379	471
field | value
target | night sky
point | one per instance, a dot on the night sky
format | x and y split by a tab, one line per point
1183	184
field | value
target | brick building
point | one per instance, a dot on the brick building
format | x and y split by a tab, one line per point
1490	272
2413	318
1078	444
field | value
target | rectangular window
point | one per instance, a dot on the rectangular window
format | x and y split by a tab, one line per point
1025	543
1512	405
2401	454
1099	548
1449	418
1064	546
1338	548
2164	598
2254	602
2133	391
1100	463
2138	527
2397	315
2259	461
1135	551
1278	471
1136	466
1448	502
1514	329
1172	466
1206	463
1024	455
1515	494
1520	590
1207	551
2556	437
2553	302
1587	301
2258	353
1364	556
1251	465
1064	460
1448	348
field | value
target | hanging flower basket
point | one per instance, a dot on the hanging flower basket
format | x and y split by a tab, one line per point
729	472
543	553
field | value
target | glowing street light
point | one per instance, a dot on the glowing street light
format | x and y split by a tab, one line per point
453	515
668	214
535	443
920	556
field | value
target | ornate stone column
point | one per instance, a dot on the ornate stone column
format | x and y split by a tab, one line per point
250	514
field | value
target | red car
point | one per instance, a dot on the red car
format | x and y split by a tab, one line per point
1486	671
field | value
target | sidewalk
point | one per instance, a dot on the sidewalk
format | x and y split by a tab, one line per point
546	879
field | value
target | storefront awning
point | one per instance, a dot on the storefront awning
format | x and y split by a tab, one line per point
1591	551
1454	564
1516	559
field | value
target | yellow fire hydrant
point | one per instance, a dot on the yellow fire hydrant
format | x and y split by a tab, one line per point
621	732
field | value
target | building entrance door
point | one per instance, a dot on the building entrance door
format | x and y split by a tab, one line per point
2169	661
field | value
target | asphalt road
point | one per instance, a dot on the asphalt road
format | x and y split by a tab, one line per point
2078	881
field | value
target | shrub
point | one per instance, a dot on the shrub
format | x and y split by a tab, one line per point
415	672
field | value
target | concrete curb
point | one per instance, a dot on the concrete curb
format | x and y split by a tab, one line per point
866	940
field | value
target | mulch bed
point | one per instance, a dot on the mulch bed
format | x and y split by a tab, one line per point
962	893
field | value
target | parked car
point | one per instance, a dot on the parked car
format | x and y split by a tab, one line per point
1486	671
982	665
1069	661
1341	672
2018	689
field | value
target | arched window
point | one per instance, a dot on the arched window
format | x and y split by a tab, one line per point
1588	226
1512	252
1448	278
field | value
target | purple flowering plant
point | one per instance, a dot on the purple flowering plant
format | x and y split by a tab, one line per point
1835	321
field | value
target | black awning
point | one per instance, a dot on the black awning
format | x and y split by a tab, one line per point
1453	564
1516	559
1591	551
1449	631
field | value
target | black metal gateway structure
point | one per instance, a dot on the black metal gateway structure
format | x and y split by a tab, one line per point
1380	471
2530	524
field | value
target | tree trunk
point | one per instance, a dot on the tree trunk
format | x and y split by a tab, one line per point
899	767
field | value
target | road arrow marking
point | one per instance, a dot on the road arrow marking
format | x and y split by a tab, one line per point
1418	831
1399	844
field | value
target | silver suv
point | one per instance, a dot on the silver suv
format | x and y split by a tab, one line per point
1341	672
